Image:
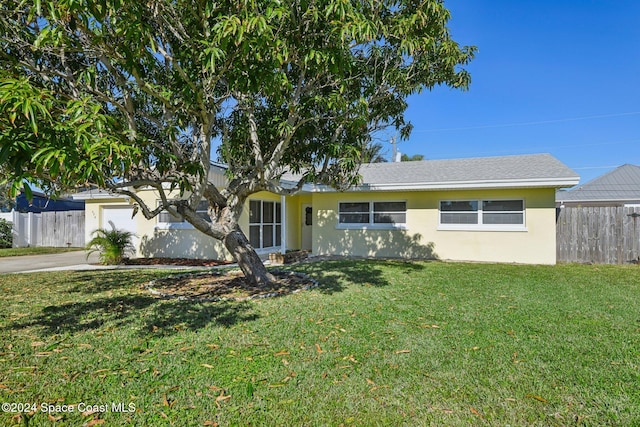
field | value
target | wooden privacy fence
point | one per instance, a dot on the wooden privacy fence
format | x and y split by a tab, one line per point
52	229
599	235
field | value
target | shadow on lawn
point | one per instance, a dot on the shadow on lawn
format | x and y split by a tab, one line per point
101	281
335	276
159	317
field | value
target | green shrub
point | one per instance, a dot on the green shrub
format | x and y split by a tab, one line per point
6	234
112	244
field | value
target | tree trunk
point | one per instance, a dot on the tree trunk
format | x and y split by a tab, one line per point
250	263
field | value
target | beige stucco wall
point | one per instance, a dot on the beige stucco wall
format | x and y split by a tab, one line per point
422	238
156	240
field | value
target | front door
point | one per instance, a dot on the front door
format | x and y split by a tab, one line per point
307	225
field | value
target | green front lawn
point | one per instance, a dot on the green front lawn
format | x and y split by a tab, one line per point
5	252
380	343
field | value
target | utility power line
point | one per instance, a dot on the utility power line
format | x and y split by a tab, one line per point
541	122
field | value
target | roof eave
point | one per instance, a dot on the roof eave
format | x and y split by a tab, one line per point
462	185
609	199
97	196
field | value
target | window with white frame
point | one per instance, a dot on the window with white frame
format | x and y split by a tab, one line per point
201	210
265	224
381	214
482	213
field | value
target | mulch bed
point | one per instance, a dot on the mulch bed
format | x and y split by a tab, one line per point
230	286
187	262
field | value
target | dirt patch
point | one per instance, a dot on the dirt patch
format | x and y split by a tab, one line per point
230	286
176	261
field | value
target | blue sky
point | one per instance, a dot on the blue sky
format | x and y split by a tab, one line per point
559	77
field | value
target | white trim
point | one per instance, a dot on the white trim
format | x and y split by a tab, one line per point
481	227
283	224
369	226
174	226
459	185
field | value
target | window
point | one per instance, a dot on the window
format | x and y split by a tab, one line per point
482	214
265	224
202	211
380	214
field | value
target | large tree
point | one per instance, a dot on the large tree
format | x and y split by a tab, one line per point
127	94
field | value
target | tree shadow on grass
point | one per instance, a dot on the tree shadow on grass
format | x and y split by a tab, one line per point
173	315
103	281
151	315
335	276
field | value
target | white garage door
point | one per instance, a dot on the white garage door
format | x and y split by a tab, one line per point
121	218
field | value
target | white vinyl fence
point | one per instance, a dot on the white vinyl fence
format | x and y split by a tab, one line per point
51	229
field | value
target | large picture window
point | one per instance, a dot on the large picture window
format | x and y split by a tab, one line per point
482	213
381	214
265	224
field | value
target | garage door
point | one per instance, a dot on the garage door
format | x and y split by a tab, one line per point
121	218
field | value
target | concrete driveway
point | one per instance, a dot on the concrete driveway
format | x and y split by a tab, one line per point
76	260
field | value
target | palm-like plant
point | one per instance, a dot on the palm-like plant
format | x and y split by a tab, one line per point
112	244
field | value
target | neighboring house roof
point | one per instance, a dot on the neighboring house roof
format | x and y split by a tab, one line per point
534	170
42	203
621	184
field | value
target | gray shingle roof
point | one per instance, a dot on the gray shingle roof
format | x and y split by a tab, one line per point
620	184
506	168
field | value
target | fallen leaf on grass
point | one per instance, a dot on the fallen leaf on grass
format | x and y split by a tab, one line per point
285	362
370	382
288	377
37	343
166	402
403	351
475	412
208	366
318	349
222	398
281	353
94	422
54	419
210	423
186	348
350	358
536	397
